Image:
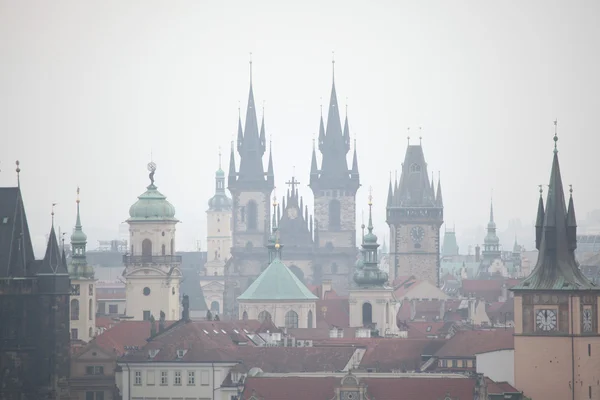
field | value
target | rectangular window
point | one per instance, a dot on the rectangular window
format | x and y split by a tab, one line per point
204	378
94	370
137	377
74	334
463	363
164	377
113	309
454	363
147	315
177	377
99	396
191	378
150	378
89	395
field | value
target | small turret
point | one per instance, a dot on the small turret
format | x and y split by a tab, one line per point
270	173
314	169
439	201
354	171
571	223
232	174
539	222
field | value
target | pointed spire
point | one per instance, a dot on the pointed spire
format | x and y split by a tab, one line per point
369	273
240	134
314	169
346	133
390	195
354	171
78	236
18	173
539	222
270	173
51	263
571	222
263	140
232	174
439	201
321	132
492	210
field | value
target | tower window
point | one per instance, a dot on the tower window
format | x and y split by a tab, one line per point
163	250
147	248
252	215
291	319
74	310
367	314
415	168
335	211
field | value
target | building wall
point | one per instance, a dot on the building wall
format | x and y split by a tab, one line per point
383	309
279	309
420	262
206	378
86	321
101	380
499	366
345	236
159	233
103	307
213	291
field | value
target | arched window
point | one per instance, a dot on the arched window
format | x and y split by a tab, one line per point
214	306
74	310
245	316
172	247
163	250
264	316
147	248
252	215
291	319
367	314
90	310
415	168
335	214
310	319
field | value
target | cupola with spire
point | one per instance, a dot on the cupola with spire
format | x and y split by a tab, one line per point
220	201
370	274
79	267
152	206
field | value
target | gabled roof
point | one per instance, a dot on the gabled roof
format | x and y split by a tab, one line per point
468	343
53	263
277	282
14	255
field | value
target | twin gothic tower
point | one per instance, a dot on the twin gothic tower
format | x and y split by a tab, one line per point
321	246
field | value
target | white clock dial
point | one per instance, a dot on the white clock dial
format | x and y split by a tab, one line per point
546	320
587	320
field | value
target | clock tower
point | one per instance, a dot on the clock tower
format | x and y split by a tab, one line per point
557	342
415	213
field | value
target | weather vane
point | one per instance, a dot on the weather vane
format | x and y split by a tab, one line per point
370	196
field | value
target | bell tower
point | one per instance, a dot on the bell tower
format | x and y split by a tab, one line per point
557	341
152	270
415	213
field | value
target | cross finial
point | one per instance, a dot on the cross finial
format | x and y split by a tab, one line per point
293	182
52	213
571	189
408	137
18	173
555	135
541	189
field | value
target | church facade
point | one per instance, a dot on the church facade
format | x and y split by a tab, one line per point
321	246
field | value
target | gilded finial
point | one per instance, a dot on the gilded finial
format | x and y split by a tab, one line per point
52	213
420	137
571	190
77	201
408	137
541	189
370	196
555	135
277	245
219	157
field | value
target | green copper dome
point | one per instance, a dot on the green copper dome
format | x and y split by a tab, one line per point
220	201
152	206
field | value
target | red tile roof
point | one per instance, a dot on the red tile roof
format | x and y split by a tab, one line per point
106	322
125	333
423	329
499	387
403	288
490	289
318	333
400	388
467	343
391	354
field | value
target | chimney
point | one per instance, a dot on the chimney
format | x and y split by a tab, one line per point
413	308
477	253
325	287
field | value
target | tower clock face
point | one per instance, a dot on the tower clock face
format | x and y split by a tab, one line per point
546	320
587	320
292	213
417	234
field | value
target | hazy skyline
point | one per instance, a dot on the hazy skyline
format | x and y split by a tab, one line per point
89	89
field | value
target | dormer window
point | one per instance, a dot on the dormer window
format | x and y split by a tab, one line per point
181	353
153	352
415	168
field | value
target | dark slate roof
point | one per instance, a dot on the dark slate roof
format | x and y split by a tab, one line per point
414	189
293	227
53	262
556	267
190	285
16	249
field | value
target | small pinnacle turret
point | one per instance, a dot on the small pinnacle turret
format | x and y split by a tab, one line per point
367	272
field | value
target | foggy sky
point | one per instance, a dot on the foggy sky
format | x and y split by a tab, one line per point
89	88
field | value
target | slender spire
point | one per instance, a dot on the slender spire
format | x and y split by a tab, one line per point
219	157
438	198
354	171
232	174
571	222
539	223
390	195
263	141
18	174
362	226
370	226
240	134
270	173
314	169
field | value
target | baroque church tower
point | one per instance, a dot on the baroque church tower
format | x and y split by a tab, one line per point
415	213
334	187
83	286
152	272
557	341
218	244
250	187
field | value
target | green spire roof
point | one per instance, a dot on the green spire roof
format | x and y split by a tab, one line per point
277	282
367	273
78	235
